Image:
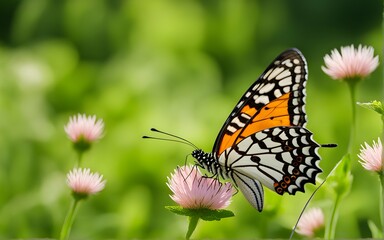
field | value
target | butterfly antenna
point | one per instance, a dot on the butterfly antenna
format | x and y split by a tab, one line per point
176	138
329	145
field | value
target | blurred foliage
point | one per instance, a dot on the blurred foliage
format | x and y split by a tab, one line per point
179	66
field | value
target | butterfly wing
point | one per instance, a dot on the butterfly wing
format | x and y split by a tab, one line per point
277	98
264	140
251	189
283	159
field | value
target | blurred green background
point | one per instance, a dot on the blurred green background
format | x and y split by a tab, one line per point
179	66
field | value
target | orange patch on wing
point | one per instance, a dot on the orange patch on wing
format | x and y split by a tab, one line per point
248	110
271	115
228	141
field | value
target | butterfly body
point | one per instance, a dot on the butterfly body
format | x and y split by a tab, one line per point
264	141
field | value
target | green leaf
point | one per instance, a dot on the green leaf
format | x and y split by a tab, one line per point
341	177
375	105
374	230
202	213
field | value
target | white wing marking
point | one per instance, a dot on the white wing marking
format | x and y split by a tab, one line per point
251	189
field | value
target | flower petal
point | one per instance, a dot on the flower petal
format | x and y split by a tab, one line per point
371	157
83	181
81	127
350	62
310	221
192	190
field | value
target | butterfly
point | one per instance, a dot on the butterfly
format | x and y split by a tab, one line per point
264	141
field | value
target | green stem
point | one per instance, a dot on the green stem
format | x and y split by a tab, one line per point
381	175
65	231
352	86
382	202
193	220
79	158
382	52
382	139
331	229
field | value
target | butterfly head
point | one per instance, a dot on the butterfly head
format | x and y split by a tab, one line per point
200	156
206	161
